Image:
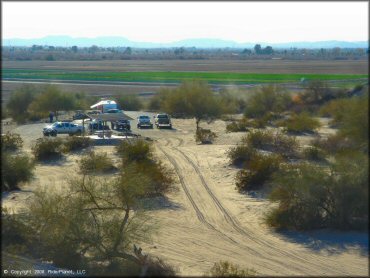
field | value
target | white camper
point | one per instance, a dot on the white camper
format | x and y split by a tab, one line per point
104	105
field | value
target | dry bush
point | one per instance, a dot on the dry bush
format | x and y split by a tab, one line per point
137	150
96	163
11	141
227	269
47	148
76	143
258	171
241	154
15	169
204	136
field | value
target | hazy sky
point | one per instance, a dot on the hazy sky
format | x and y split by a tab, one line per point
173	21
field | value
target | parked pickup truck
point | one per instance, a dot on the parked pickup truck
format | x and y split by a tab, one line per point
63	128
144	121
163	120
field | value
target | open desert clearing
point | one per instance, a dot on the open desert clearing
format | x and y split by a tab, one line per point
206	220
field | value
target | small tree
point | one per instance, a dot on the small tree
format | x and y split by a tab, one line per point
19	102
52	99
194	99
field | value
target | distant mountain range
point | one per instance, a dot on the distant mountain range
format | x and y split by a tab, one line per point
67	41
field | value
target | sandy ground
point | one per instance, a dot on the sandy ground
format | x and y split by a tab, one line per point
206	220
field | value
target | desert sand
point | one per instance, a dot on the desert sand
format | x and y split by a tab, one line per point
207	220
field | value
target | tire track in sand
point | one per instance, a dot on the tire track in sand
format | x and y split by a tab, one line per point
233	222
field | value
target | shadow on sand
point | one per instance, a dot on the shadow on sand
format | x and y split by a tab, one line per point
159	203
333	242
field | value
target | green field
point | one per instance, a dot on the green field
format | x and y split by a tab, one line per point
211	77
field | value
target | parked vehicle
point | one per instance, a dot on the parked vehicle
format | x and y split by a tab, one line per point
162	120
93	112
144	121
104	105
63	128
80	116
97	125
121	125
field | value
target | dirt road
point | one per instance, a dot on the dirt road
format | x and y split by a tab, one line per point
206	220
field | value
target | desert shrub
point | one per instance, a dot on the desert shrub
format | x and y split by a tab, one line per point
47	148
91	225
267	99
160	178
15	169
19	102
238	125
334	109
227	269
11	141
74	143
272	141
258	171
129	102
137	150
311	197
333	144
354	124
241	154
15	234
204	136
96	163
313	154
299	123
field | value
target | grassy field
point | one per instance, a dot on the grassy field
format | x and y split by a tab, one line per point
211	77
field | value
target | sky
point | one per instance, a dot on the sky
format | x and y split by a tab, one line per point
165	22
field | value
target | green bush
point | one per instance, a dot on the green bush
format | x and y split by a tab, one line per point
160	178
241	154
20	101
96	163
272	141
47	148
314	154
299	123
267	99
137	150
74	143
204	136
238	125
334	144
258	171
16	236
312	197
129	102
11	141
15	169
227	269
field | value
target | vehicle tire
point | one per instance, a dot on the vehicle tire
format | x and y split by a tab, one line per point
78	133
53	133
170	126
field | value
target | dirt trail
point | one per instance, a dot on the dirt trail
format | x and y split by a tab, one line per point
252	246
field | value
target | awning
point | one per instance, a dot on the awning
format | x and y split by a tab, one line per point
110	117
103	102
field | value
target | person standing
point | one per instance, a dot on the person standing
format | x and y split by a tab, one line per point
51	116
